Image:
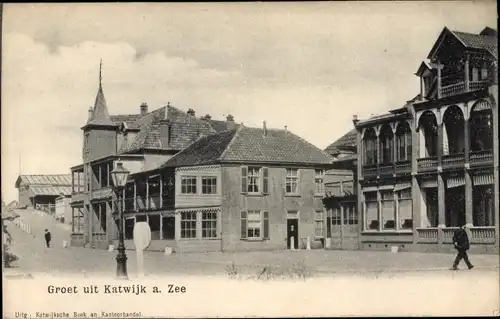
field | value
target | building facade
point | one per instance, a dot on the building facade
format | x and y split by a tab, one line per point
237	190
142	142
427	168
41	191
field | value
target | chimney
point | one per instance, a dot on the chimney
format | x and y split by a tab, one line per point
265	128
191	112
230	122
144	108
286	129
207	117
355	120
91	111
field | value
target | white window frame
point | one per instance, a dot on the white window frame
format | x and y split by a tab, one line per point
319	180
319	218
254	179
204	229
256	220
189	177
290	179
212	187
184	230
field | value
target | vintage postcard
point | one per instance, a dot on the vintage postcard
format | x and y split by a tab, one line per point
305	159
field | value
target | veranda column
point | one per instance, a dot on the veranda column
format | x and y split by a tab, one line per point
493	92
379	210
468	199
466	72
441	201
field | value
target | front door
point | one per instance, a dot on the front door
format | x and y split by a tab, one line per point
292	226
343	228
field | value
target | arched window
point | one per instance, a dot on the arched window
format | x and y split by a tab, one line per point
481	126
403	142
370	147
386	140
453	133
427	125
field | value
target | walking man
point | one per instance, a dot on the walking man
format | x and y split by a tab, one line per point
48	237
461	242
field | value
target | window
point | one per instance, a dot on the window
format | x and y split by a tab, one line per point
336	219
386	147
154	225
78	221
405	209
371	211
253	179
370	147
292	181
188	184
129	228
388	211
319	223
188	224
209	185
318	181
209	225
350	214
86	146
255	225
403	142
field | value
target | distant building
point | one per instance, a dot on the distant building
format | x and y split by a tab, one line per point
39	190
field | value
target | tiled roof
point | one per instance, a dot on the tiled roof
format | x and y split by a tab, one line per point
50	190
219	126
247	144
348	140
59	180
129	119
478	41
184	130
207	149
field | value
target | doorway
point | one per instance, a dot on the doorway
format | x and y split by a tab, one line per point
292	230
168	227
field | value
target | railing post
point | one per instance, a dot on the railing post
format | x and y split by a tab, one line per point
466	72
147	193
438	65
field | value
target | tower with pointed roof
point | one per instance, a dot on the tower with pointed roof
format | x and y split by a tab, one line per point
100	131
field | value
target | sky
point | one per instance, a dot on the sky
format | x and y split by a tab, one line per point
309	66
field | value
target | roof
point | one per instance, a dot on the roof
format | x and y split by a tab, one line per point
247	144
128	119
347	141
183	129
486	40
100	115
50	190
217	125
58	179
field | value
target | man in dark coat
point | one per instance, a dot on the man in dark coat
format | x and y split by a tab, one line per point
461	242
48	237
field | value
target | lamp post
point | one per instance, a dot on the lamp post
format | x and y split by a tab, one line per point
120	175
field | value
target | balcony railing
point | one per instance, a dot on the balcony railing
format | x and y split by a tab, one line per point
403	167
140	203
386	169
129	204
460	87
481	157
453	160
427	163
448	234
482	235
370	170
154	202
428	235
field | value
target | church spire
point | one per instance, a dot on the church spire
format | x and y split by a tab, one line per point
100	115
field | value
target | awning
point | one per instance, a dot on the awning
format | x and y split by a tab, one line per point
429	183
453	182
483	179
50	190
402	186
482	105
370	189
386	187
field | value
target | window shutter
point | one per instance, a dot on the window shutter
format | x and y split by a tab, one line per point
243	224
244	179
265	180
266	224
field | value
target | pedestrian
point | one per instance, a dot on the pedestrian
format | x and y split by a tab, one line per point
461	242
48	237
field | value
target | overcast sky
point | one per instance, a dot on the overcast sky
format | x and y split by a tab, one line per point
309	66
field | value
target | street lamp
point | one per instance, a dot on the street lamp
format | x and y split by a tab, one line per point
120	175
